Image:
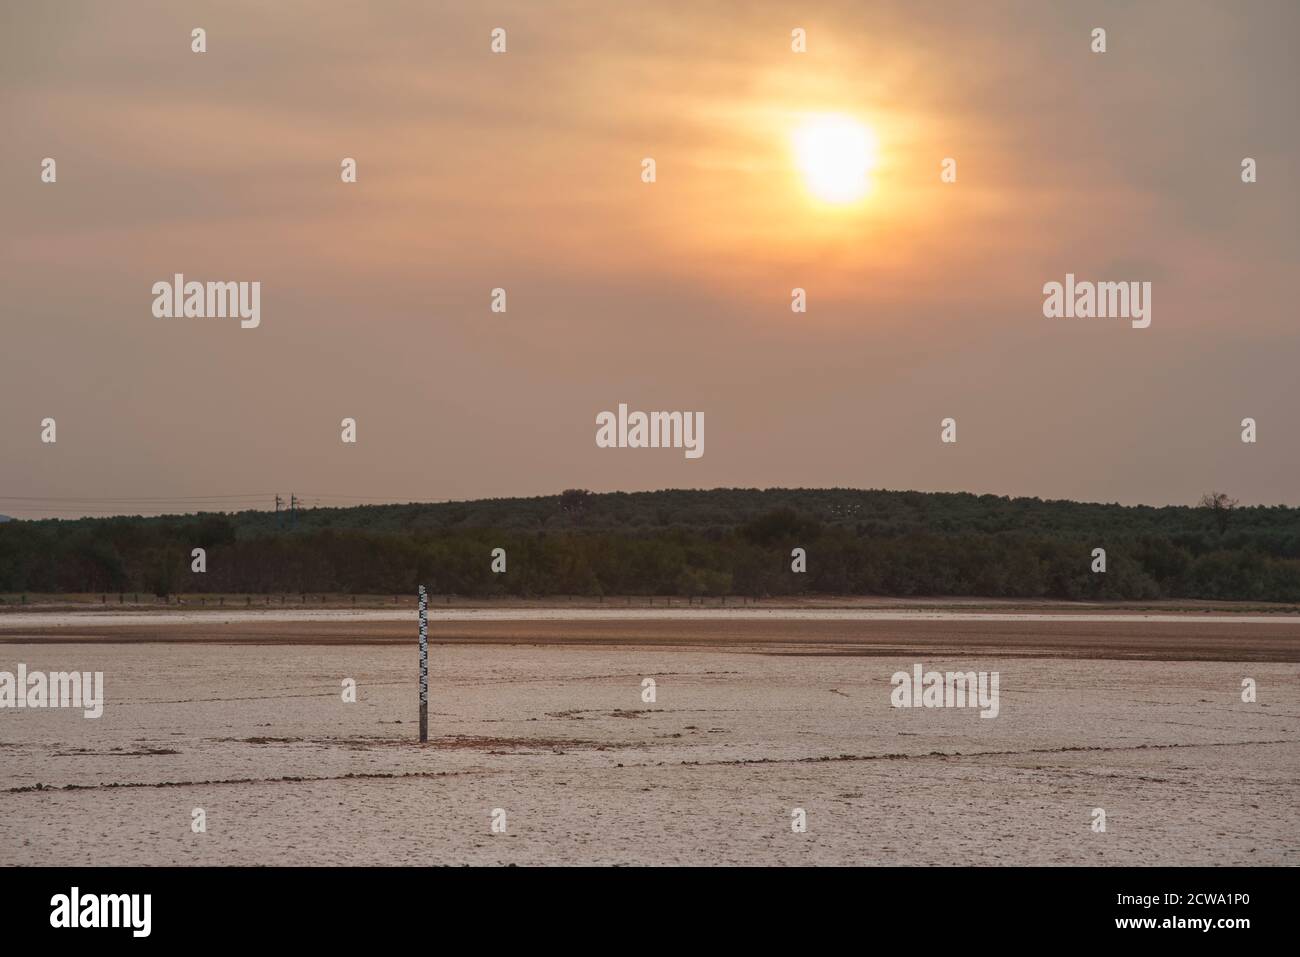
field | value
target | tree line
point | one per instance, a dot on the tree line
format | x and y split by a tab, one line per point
682	543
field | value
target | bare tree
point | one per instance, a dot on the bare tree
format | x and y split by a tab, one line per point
1220	506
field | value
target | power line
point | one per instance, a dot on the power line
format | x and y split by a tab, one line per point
156	498
111	511
69	506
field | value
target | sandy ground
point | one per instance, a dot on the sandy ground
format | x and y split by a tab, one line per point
1169	637
753	718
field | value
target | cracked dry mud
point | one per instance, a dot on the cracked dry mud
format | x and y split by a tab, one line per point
557	734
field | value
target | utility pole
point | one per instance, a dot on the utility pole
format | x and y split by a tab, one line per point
293	510
279	502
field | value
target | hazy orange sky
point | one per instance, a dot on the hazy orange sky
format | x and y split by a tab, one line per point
522	170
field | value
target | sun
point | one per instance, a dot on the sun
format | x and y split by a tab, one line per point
835	153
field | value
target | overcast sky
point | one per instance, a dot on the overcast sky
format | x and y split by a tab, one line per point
522	170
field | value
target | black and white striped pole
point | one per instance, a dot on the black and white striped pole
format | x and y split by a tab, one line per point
424	665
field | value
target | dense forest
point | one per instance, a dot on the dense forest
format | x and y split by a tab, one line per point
718	542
